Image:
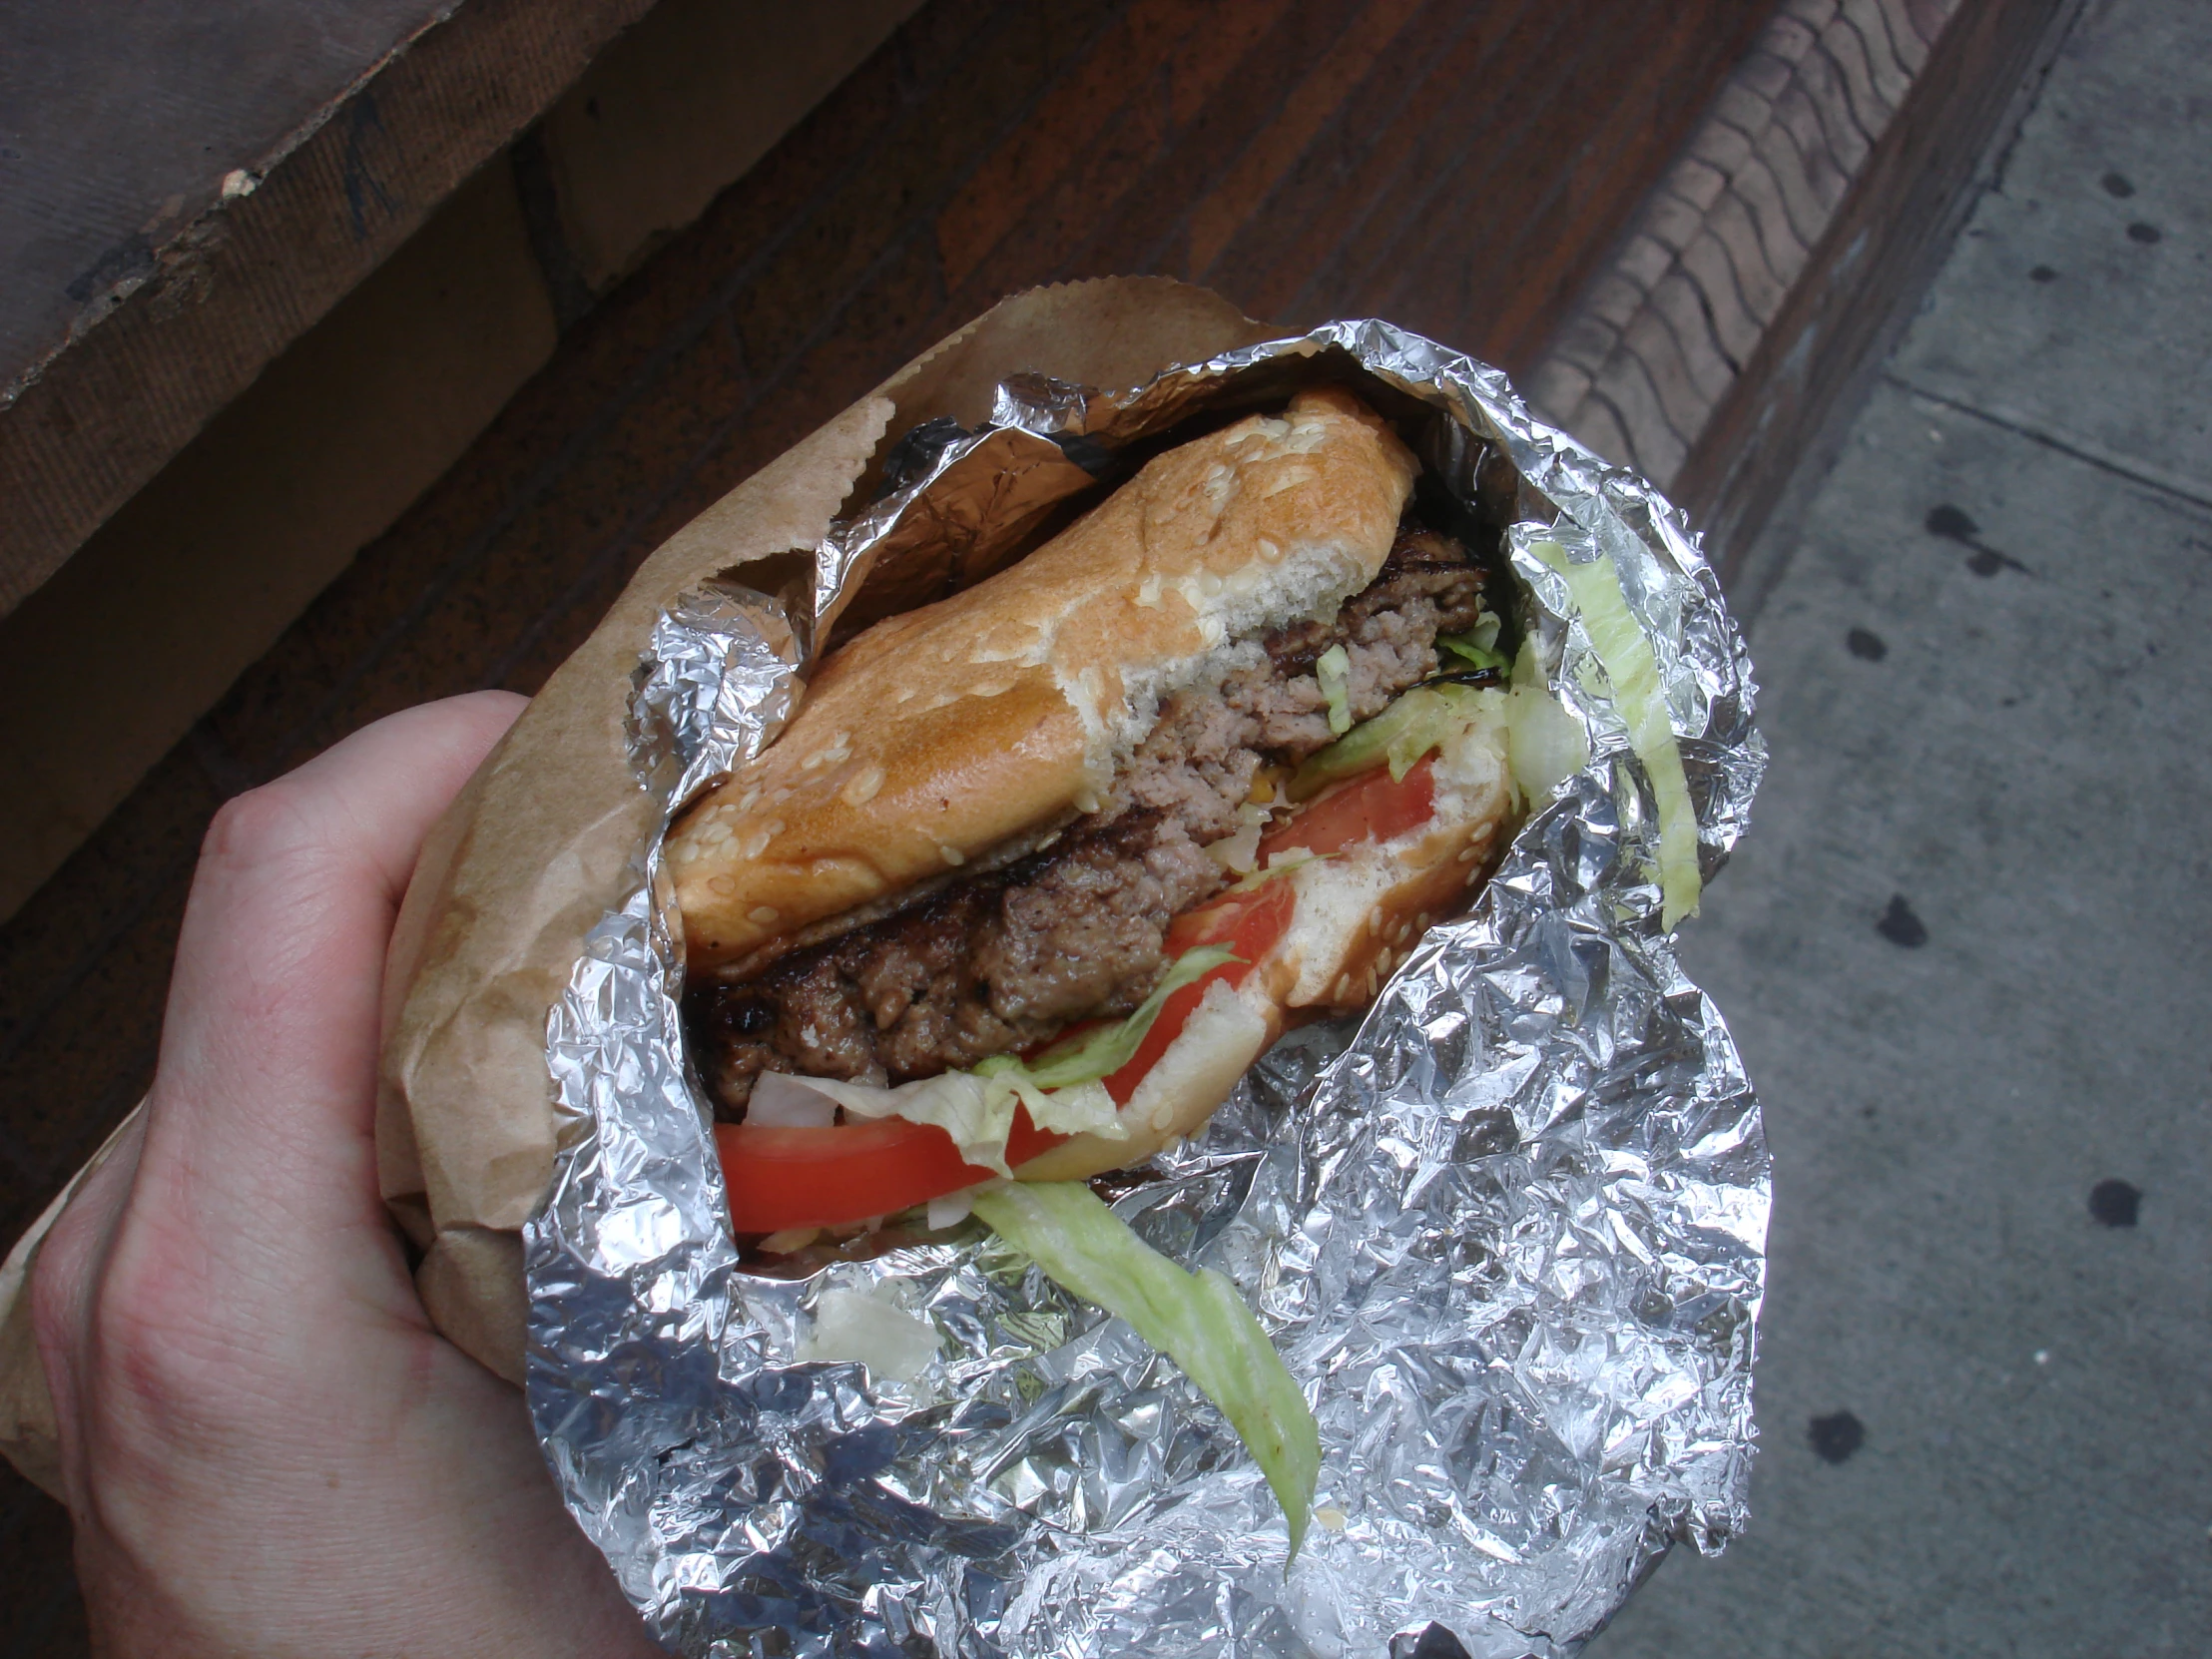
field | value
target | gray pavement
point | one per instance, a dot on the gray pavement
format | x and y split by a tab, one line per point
1968	945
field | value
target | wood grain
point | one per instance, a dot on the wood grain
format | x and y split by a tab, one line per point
1767	267
1710	261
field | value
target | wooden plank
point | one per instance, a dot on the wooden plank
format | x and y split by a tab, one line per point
169	345
125	117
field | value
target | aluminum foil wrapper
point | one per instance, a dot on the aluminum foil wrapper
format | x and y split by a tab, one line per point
1508	1231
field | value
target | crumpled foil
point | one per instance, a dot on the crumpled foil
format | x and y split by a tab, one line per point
1507	1230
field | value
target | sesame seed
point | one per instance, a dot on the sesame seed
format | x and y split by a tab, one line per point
865	787
952	854
763	915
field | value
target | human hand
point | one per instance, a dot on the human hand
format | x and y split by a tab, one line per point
266	1448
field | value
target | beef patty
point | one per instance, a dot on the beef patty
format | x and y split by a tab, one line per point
1001	962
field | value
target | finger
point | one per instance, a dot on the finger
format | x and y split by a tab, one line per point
265	1084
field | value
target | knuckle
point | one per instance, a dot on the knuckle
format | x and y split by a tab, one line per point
147	1337
260	824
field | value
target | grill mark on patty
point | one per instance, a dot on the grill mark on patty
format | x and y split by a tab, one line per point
1001	962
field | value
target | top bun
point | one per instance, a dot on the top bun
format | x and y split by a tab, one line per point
938	736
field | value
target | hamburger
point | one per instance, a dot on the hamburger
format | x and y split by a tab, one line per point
1036	871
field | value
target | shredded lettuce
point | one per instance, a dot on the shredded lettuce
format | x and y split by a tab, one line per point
870	1326
1334	670
1239	853
1101	1053
1196	1318
1425	718
1543	743
1061	1087
1471	652
1279	864
1627	658
978	1111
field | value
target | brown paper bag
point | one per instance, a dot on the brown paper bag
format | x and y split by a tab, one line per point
534	850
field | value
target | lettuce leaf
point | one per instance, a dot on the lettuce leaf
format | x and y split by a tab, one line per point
978	1111
1543	743
1424	718
1061	1087
1470	651
1333	669
1101	1053
1196	1318
1627	659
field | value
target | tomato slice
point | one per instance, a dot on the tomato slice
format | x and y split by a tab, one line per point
780	1177
1374	807
1251	923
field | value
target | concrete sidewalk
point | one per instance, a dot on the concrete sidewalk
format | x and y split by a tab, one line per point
1968	945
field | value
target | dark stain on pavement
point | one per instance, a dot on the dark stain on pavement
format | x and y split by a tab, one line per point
2144	234
1953	524
1951	521
1837	1435
1900	926
2041	274
1867	644
2116	184
2114	1203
